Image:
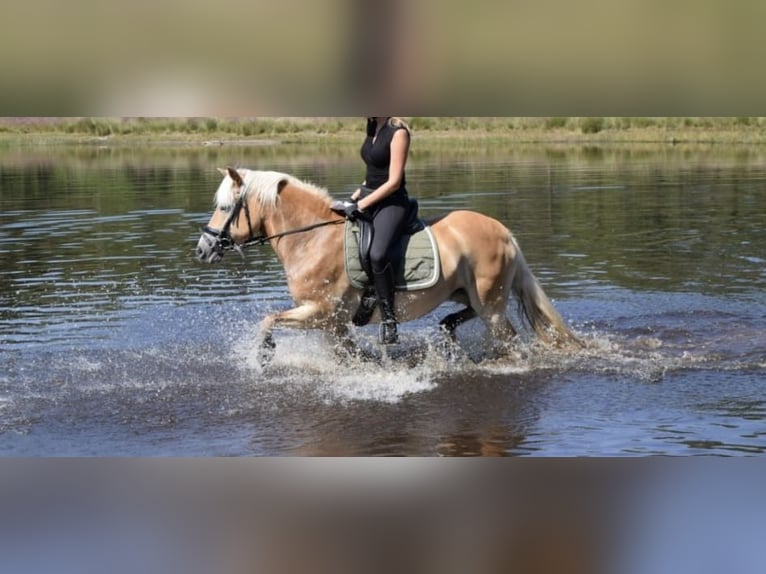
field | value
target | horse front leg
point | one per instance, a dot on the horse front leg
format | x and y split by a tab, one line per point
343	345
266	345
308	315
297	318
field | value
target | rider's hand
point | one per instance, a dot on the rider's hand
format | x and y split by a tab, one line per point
348	209
351	210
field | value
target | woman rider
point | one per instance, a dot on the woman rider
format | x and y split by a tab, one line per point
383	198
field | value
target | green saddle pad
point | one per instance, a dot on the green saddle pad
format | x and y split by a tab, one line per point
420	269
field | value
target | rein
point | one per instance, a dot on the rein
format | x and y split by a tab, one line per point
225	242
263	240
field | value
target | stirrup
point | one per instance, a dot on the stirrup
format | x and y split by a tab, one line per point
388	333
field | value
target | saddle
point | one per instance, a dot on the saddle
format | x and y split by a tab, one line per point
415	256
367	231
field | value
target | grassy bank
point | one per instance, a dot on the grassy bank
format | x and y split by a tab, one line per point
747	130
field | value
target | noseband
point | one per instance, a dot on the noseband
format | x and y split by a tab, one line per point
223	241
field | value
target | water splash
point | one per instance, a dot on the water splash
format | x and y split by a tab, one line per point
307	361
643	358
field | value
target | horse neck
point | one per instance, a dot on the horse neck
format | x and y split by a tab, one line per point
295	209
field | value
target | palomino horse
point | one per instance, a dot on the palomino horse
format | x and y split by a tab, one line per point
481	263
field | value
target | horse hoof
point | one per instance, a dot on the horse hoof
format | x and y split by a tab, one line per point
268	348
346	350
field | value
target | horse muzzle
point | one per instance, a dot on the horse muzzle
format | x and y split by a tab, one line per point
210	248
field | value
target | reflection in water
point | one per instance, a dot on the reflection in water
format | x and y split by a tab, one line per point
114	341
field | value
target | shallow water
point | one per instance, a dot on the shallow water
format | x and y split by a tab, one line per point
114	341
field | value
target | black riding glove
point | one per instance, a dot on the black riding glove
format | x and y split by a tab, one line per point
349	209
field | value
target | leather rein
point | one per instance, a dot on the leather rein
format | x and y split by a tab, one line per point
225	242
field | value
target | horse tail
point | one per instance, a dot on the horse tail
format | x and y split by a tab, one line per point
536	307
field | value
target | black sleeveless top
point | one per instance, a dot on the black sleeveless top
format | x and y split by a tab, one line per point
377	158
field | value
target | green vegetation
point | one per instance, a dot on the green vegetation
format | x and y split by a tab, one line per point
559	129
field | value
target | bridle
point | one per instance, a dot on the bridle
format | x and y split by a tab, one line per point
223	240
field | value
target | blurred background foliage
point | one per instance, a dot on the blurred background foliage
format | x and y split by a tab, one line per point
230	59
729	129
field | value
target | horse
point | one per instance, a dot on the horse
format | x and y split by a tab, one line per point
481	262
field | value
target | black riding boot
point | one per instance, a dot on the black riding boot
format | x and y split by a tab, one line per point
384	286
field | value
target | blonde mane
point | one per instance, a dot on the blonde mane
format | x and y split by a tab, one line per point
264	186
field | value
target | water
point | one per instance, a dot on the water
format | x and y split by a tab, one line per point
114	341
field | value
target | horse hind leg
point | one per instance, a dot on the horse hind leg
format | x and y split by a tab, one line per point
451	322
491	301
500	328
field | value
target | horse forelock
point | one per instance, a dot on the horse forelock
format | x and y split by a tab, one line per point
264	186
224	196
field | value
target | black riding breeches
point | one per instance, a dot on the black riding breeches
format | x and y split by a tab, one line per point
388	222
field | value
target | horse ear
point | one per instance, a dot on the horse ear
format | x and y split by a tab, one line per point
222	171
234	175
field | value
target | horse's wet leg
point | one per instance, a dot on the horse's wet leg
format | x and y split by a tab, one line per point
267	350
448	326
342	345
500	336
451	322
345	349
266	344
